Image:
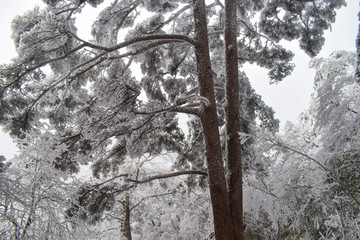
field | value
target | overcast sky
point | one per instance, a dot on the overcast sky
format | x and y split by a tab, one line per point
288	98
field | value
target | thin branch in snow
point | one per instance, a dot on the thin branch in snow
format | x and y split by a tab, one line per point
244	137
168	175
321	165
152	196
167	37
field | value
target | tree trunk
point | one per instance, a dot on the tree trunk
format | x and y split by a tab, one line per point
217	180
233	121
126	228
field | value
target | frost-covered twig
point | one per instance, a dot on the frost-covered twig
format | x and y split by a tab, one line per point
321	165
152	196
113	178
264	191
244	137
30	69
173	17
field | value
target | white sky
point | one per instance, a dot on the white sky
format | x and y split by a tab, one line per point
288	98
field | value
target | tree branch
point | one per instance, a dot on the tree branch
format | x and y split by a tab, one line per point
145	180
41	65
264	191
192	109
168	37
62	79
168	175
152	196
178	106
141	50
322	166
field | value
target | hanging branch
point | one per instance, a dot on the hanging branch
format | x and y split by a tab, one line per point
321	166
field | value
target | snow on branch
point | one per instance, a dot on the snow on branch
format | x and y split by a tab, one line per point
30	69
135	182
188	104
141	50
161	37
152	196
244	137
99	59
191	99
168	175
193	109
177	14
282	145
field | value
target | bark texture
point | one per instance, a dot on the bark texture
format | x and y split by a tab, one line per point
126	228
233	121
216	171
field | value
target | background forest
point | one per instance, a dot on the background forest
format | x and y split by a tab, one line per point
136	132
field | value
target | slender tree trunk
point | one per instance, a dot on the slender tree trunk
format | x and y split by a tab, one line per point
126	228
216	172
233	121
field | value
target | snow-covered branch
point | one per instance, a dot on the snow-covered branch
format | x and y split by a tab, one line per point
191	99
188	104
161	37
42	64
321	165
266	191
152	196
193	109
168	175
174	16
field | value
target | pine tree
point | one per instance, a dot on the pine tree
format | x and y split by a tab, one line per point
84	94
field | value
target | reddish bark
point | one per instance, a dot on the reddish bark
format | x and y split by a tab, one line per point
216	172
233	121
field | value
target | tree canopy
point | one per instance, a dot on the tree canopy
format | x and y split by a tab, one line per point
112	102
